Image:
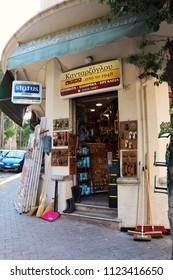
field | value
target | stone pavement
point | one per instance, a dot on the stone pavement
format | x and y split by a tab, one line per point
31	238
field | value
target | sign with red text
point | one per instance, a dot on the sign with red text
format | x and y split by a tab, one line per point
92	79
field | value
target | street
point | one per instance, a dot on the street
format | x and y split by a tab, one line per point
5	175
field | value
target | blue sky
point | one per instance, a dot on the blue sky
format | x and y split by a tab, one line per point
13	14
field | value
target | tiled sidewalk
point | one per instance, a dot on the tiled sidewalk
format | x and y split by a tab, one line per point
31	238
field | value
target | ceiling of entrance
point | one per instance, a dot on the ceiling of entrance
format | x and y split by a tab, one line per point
103	99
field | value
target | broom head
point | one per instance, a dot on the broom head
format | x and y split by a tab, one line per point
32	211
147	228
41	207
142	237
50	207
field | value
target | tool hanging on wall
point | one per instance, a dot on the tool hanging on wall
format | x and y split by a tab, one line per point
47	144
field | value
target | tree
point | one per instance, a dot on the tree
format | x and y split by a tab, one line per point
157	64
9	129
23	134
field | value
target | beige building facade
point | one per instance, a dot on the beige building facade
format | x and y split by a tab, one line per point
61	39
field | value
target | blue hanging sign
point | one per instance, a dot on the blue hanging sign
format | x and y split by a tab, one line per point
26	92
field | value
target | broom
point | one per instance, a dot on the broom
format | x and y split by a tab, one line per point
141	236
155	231
50	207
32	211
43	194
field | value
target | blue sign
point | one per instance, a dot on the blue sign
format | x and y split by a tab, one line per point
24	92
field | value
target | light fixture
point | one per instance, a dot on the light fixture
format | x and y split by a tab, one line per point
88	59
92	110
99	104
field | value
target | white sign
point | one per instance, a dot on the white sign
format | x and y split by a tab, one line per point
26	92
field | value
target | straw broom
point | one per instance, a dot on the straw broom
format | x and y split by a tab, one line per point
150	228
50	207
32	211
41	207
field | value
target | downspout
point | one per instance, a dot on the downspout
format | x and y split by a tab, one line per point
144	149
147	155
143	137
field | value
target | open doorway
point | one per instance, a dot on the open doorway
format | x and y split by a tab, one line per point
97	147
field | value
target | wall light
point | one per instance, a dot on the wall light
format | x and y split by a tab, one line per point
99	104
88	59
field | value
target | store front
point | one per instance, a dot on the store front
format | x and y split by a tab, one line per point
94	91
99	150
97	146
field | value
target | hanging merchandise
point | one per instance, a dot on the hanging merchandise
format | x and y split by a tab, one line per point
47	144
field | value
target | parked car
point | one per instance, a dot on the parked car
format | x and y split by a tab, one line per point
13	161
3	153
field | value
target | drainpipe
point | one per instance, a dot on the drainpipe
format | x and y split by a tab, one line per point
147	157
144	150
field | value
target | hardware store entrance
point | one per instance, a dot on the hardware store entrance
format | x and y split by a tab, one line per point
97	148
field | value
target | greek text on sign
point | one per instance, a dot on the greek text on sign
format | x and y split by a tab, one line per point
26	92
92	79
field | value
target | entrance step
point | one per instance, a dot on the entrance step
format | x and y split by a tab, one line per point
101	215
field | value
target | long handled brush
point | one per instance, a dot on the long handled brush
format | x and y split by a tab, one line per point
141	236
154	231
50	207
43	194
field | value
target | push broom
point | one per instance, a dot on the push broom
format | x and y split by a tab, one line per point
142	236
154	231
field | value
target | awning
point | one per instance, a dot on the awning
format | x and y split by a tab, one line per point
13	111
78	38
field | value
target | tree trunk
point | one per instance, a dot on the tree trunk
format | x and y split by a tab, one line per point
170	191
169	67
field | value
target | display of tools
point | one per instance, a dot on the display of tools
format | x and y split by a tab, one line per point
128	134
129	163
60	124
59	157
60	138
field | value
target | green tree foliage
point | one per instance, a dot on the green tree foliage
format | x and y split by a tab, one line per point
156	11
160	63
9	132
9	129
23	134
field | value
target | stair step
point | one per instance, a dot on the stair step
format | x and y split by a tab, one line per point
95	208
95	214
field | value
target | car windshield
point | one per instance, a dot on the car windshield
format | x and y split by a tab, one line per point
13	154
3	153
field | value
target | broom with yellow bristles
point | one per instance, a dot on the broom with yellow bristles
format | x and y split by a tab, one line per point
50	207
42	204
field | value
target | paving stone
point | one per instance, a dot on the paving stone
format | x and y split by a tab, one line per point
23	237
